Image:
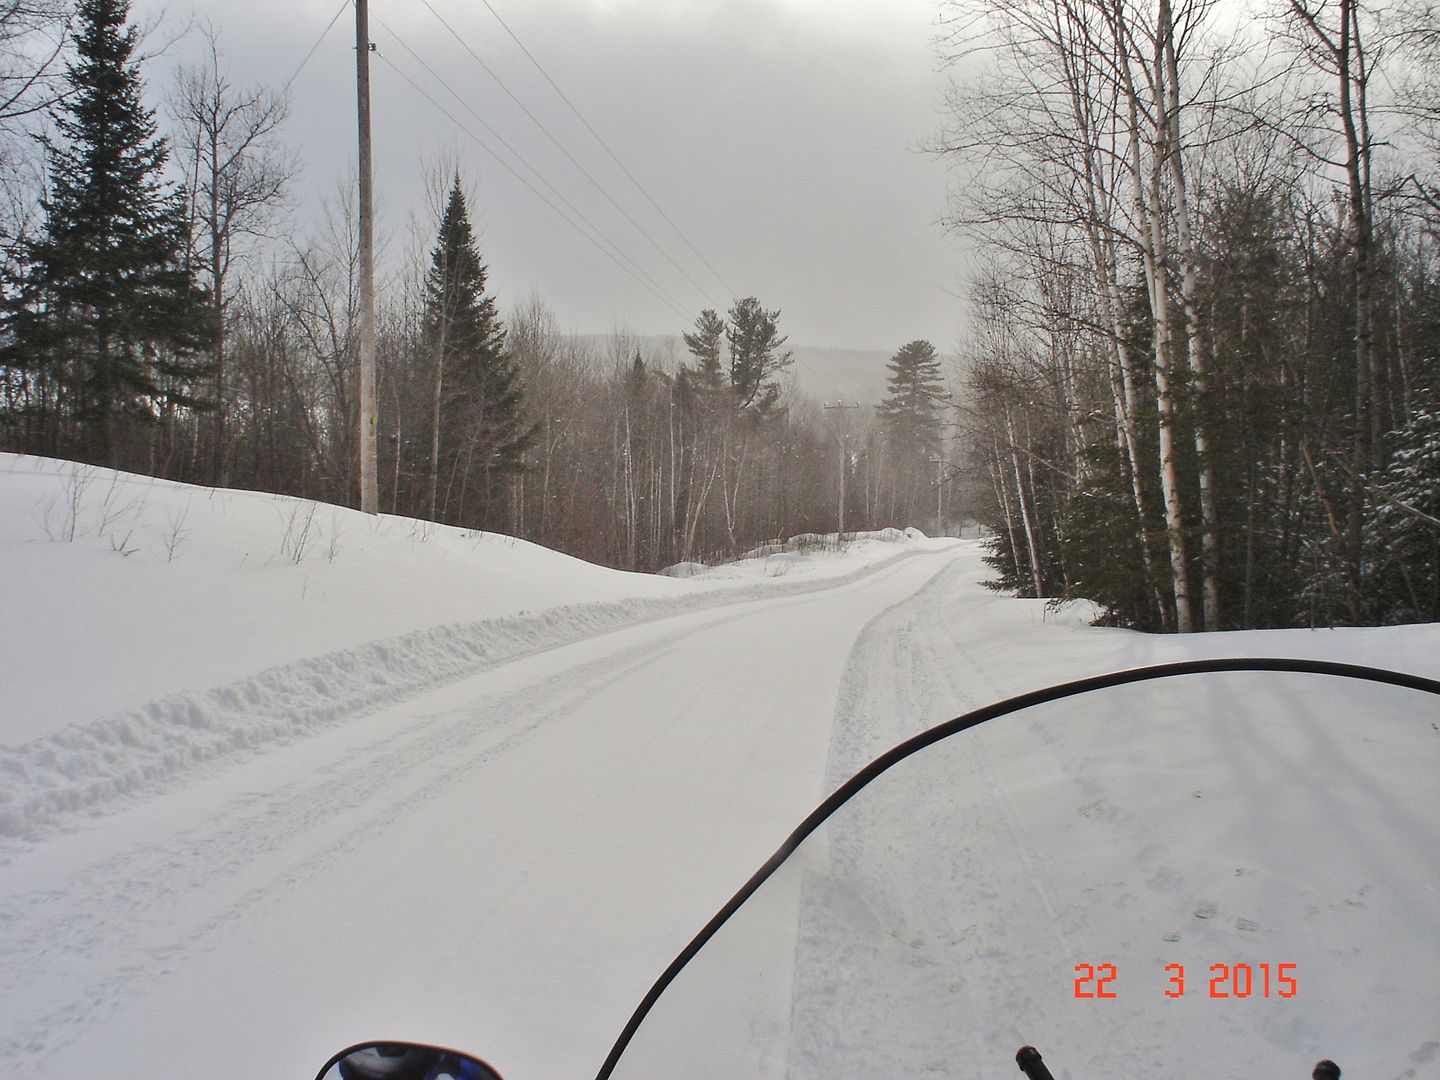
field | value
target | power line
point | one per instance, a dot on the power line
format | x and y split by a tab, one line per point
807	366
669	302
318	42
639	187
559	146
633	266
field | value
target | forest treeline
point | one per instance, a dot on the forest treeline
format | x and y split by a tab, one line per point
1204	341
1200	373
160	317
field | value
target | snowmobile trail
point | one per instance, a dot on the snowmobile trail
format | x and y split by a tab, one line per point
95	762
914	666
505	861
955	902
657	760
146	895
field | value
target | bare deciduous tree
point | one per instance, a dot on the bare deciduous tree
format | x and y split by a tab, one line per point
228	139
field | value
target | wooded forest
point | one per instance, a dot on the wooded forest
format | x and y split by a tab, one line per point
1202	365
1198	385
158	319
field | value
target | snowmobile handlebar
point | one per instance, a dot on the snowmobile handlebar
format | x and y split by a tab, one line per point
1033	1066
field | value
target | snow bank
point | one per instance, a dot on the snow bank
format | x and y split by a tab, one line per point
122	589
818	553
213	621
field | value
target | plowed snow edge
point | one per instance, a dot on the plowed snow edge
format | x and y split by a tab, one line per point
91	763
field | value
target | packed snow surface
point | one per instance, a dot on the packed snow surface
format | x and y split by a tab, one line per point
276	777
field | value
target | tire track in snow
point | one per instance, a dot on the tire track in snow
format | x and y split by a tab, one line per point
892	688
1068	933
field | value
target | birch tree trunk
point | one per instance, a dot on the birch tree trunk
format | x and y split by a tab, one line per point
1151	241
1100	228
1169	108
1031	541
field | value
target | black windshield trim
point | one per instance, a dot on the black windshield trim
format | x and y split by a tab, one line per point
862	779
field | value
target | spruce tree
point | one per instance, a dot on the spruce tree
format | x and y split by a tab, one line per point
1402	530
479	432
106	308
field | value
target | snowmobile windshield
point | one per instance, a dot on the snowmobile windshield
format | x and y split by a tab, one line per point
1220	869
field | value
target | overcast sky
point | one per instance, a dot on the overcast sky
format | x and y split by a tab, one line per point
781	136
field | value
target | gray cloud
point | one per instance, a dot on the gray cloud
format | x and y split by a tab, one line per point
780	135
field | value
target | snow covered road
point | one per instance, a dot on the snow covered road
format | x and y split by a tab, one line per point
503	863
333	806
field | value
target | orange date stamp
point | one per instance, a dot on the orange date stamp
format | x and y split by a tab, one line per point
1231	981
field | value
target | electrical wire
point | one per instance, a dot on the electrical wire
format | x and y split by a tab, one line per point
639	187
661	296
571	157
617	251
313	48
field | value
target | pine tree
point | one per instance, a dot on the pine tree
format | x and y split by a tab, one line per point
911	409
106	311
754	338
705	345
479	432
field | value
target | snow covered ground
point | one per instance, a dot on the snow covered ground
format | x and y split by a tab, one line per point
1236	819
278	777
152	626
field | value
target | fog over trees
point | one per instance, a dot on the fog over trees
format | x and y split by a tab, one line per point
1198	385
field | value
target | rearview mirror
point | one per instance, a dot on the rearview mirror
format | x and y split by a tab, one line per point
404	1061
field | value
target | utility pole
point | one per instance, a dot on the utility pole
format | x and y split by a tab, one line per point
369	418
843	439
939	464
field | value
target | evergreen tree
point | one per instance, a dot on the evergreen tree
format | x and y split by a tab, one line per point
106	312
705	345
1403	528
479	431
910	412
755	358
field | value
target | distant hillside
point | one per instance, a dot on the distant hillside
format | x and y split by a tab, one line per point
824	374
840	374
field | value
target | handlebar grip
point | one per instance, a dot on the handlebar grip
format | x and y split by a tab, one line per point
1031	1064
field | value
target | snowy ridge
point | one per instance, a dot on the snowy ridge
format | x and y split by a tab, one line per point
87	764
